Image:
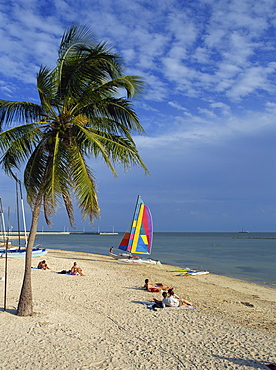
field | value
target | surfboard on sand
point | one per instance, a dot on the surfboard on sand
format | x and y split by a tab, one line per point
182	270
193	272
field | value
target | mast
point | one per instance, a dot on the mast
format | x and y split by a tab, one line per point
9	223
23	214
2	221
18	217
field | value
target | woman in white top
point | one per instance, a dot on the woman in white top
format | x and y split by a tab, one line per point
171	302
175	298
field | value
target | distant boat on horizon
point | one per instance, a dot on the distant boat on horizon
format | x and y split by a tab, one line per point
244	232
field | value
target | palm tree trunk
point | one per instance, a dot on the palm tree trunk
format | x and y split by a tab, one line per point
25	305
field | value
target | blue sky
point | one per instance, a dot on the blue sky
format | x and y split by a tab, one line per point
208	110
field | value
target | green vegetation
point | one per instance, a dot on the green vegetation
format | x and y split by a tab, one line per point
82	114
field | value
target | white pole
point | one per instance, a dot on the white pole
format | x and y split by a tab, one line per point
23	215
3	220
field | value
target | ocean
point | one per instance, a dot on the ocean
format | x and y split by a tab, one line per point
245	256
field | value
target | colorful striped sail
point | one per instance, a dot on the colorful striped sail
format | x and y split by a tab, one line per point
139	239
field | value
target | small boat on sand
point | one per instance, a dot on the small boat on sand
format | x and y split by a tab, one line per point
193	273
20	253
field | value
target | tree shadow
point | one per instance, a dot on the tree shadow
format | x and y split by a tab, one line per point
244	362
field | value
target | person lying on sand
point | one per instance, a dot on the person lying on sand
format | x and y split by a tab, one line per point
157	287
173	299
43	265
76	270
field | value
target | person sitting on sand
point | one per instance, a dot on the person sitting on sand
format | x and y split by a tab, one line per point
76	270
159	304
43	265
174	297
157	287
172	301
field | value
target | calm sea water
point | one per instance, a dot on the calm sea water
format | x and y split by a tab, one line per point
250	257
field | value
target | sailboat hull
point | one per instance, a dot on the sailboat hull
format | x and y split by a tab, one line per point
138	261
120	256
36	252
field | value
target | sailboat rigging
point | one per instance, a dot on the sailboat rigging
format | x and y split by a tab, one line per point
21	252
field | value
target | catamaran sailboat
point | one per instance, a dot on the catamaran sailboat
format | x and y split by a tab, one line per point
138	241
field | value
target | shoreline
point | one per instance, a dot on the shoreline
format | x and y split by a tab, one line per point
257	270
98	322
258	283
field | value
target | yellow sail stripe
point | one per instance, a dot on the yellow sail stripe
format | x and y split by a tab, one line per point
138	227
145	239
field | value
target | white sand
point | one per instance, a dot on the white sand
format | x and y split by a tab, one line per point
98	322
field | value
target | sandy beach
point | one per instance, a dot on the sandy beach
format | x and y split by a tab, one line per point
98	321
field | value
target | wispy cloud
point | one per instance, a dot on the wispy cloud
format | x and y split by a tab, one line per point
210	97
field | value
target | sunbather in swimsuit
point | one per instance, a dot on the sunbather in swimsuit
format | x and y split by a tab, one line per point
76	270
157	287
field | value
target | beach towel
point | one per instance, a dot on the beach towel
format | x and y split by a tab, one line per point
68	273
150	304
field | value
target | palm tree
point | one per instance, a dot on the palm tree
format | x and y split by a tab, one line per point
84	112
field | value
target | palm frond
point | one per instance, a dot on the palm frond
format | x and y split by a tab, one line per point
34	173
91	94
112	148
57	181
119	111
17	144
84	187
18	112
73	36
87	65
91	142
47	88
133	85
